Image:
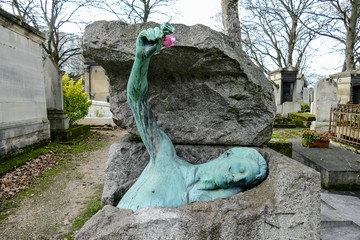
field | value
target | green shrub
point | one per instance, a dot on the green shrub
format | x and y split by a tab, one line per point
76	104
305	106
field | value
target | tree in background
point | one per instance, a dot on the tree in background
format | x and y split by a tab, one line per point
50	16
274	34
133	11
230	19
76	104
341	22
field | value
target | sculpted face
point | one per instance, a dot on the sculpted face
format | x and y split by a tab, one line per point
237	172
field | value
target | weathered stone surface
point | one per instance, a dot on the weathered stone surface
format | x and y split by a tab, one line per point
23	118
284	206
204	90
325	97
126	161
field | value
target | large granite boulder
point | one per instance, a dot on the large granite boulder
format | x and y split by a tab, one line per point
284	206
203	90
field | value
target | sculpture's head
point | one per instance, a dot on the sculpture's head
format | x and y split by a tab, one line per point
239	169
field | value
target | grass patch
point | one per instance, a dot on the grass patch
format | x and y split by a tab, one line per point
69	155
66	152
93	206
290	133
276	135
19	160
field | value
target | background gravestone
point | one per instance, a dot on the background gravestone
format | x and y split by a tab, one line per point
325	97
203	90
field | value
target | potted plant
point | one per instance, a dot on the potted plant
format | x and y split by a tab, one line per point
315	139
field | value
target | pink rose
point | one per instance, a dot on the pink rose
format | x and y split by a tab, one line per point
168	41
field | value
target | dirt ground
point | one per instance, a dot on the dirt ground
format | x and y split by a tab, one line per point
49	211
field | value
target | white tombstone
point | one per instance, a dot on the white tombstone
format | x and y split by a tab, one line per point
299	90
288	107
325	97
306	96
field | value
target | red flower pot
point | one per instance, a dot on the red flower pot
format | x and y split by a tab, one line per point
318	143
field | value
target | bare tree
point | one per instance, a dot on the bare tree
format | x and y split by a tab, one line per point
50	16
133	11
230	17
273	32
341	22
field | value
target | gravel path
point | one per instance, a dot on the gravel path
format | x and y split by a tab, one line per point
49	212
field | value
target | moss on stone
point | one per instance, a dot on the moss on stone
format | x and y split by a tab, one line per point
353	186
302	116
280	144
71	134
135	138
11	161
276	135
284	125
302	124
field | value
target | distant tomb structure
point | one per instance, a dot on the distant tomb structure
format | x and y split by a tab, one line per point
54	96
96	82
290	90
23	118
348	87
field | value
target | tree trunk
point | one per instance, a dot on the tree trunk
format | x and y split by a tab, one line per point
230	16
351	36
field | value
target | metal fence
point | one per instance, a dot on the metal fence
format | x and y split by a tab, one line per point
344	125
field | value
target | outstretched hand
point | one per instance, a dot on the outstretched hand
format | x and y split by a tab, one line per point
150	41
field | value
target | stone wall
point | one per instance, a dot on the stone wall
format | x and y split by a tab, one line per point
23	118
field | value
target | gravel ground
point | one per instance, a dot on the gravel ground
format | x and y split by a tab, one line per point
48	212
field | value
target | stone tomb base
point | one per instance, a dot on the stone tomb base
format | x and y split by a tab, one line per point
19	135
284	206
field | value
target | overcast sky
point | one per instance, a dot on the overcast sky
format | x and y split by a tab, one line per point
191	12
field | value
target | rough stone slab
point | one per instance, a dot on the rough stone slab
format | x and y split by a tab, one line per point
203	90
340	217
338	167
276	209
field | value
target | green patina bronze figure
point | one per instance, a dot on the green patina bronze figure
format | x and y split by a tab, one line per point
168	180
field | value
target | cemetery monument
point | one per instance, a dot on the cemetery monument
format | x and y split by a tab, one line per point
168	180
208	97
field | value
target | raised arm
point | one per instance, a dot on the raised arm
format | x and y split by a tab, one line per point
148	43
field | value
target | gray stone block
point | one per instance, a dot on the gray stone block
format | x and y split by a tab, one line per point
284	206
17	136
203	90
340	217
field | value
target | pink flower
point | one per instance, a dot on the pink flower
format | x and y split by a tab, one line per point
168	41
